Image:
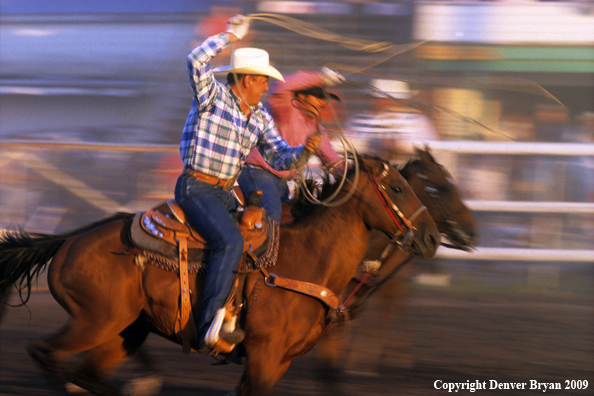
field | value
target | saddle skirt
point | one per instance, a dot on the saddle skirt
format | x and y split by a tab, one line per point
157	230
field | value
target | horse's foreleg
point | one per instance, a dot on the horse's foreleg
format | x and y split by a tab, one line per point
329	354
261	383
263	369
330	349
394	329
149	384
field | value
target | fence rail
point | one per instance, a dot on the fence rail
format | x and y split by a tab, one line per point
460	147
531	207
518	254
511	148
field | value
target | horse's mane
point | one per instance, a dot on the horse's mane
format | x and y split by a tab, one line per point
423	158
405	169
302	207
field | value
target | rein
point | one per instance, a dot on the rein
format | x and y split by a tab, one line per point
372	289
324	295
374	265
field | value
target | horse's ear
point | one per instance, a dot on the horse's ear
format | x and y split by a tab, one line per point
373	165
425	154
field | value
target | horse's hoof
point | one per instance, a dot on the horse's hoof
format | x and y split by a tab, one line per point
234	392
72	389
363	373
92	384
145	386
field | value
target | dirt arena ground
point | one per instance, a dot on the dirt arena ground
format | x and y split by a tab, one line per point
459	336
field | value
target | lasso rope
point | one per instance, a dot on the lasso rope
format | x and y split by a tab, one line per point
390	50
308	29
349	151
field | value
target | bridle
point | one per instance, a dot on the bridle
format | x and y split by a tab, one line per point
372	266
403	237
405	227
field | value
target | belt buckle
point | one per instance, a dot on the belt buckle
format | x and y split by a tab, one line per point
229	184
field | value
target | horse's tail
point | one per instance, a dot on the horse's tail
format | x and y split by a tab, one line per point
23	256
3	303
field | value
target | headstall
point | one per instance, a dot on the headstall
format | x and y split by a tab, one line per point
405	226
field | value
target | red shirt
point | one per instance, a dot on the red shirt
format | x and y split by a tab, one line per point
291	122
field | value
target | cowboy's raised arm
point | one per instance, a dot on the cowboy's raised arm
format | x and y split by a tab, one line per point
202	80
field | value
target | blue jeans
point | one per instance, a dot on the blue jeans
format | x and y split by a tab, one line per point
273	189
208	209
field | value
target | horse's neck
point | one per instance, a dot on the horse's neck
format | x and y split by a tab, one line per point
325	247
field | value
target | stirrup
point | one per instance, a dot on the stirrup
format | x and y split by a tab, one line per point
214	343
230	333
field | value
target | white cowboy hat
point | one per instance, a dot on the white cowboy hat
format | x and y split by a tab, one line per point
394	88
250	61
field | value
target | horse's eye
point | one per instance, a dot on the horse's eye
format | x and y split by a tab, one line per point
397	189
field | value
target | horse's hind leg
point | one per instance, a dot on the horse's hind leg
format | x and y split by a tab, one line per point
97	364
102	360
84	332
101	293
51	352
51	368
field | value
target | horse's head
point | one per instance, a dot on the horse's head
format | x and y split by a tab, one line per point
437	190
393	207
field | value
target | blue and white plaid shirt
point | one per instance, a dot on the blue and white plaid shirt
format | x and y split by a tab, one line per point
217	136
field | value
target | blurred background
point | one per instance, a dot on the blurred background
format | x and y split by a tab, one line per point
94	96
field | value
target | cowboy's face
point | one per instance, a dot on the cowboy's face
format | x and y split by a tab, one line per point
312	104
253	87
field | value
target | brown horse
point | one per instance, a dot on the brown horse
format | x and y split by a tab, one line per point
115	304
436	189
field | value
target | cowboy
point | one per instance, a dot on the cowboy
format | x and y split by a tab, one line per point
297	105
392	123
225	122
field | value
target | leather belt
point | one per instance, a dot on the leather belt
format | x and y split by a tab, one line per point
215	181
